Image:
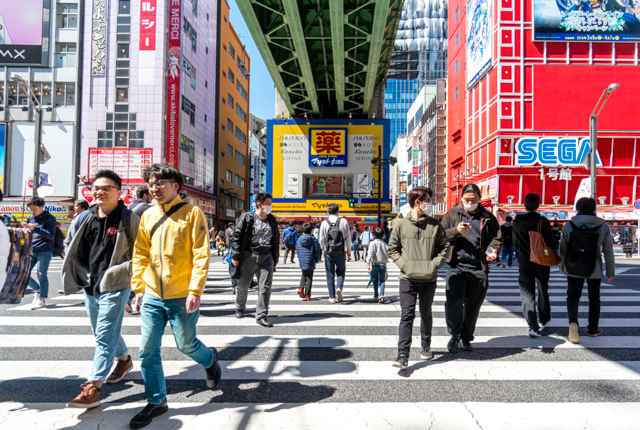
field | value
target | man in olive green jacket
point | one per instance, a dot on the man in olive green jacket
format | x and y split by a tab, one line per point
419	247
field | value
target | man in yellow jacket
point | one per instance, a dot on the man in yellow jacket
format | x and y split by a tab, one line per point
170	266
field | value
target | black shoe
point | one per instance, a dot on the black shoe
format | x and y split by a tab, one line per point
594	333
466	346
454	344
147	415
426	353
214	373
239	314
402	362
264	322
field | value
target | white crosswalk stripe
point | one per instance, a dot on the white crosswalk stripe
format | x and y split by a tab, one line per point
339	356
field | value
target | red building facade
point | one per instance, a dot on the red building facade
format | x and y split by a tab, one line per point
543	91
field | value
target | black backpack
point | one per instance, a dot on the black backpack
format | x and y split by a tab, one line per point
582	251
58	243
335	242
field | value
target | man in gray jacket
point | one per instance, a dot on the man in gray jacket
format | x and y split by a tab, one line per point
98	260
585	223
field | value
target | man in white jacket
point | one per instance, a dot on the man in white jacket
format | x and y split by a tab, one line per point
336	248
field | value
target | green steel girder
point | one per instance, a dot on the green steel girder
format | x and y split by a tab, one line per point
326	57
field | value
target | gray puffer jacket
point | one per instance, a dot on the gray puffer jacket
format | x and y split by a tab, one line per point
605	243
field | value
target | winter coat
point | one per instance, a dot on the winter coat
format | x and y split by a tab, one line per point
45	232
308	252
419	247
525	223
293	236
605	243
243	233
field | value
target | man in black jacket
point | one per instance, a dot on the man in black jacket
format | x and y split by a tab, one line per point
529	271
254	251
507	242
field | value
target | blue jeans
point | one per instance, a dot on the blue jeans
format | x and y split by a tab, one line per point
105	313
356	251
154	316
335	265
379	275
41	262
507	250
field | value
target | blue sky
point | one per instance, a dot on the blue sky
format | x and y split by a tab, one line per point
262	93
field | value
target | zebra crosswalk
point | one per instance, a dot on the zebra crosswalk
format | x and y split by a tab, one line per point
327	365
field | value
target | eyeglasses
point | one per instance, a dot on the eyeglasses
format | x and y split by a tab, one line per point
105	188
160	184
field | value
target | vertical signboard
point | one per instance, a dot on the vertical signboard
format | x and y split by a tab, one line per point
173	87
479	39
99	20
2	146
148	25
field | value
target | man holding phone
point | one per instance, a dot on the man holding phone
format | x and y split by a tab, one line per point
475	238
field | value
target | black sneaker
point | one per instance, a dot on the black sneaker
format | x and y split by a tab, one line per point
214	373
426	353
454	344
402	362
466	346
145	416
594	333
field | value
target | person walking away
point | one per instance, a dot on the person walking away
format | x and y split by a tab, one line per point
212	237
254	251
377	259
170	267
142	202
308	256
102	248
530	271
506	230
355	241
43	225
584	240
227	235
335	241
475	238
220	245
365	238
289	240
316	234
418	245
557	236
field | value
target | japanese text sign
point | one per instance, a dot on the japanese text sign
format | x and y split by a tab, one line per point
148	25
328	147
99	20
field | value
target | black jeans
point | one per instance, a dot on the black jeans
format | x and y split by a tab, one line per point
466	289
529	272
410	291
574	292
306	281
287	249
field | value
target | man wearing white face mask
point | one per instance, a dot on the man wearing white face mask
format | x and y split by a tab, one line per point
475	238
254	250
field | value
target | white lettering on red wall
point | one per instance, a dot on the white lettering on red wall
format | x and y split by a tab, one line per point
148	24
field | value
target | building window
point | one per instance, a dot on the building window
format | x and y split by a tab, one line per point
191	34
122	95
65	94
105	139
239	157
228	200
457	10
189	108
194	8
225	18
229	176
187	145
121	139
67	16
239	181
42	91
241	90
456	93
324	186
231	76
66	55
123	50
457	38
224	102
207	17
229	152
205	117
190	71
230	99
240	135
222	127
224	75
124	7
206	50
456	66
206	84
239	204
136	139
230	126
232	51
241	113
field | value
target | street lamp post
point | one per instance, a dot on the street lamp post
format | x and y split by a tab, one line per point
37	107
593	136
379	164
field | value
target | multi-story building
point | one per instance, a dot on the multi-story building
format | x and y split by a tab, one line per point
149	91
257	154
39	52
233	122
524	78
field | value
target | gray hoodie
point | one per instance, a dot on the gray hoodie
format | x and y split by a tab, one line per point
605	243
378	252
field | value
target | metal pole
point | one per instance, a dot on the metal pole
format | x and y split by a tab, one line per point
593	143
38	145
380	164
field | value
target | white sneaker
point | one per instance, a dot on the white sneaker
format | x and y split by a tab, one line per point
39	304
544	325
339	294
36	297
534	334
332	300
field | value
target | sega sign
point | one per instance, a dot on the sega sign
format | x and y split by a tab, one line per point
553	151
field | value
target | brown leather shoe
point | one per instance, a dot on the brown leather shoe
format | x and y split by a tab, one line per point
88	398
121	370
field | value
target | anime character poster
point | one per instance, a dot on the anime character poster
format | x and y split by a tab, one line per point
21	31
587	20
479	39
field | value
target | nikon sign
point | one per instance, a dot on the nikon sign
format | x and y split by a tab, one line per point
553	151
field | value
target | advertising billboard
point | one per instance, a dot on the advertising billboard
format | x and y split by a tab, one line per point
21	32
328	147
479	39
586	20
2	148
99	22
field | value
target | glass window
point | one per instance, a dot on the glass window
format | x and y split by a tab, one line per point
456	93
241	113
239	203
123	50
230	126
457	10
105	139
240	135
229	175
240	158
121	139
187	145
229	152
66	55
241	90
456	66
231	76
2	93
12	94
232	51
457	38
122	95
124	7
239	181
230	100
205	117
229	200
65	94
67	15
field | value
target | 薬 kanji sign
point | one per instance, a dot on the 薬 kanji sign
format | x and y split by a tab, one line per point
328	147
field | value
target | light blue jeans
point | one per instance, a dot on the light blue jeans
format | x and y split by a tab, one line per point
41	262
105	313
155	314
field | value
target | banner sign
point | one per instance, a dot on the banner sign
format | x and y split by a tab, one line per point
327	147
173	87
148	25
553	151
128	163
21	31
99	20
594	21
479	39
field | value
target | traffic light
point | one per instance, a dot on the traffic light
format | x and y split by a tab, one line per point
352	203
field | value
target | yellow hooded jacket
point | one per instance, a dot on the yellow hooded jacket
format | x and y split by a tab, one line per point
176	262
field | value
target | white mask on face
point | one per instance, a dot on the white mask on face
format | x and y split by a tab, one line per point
470	207
427	208
267	209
